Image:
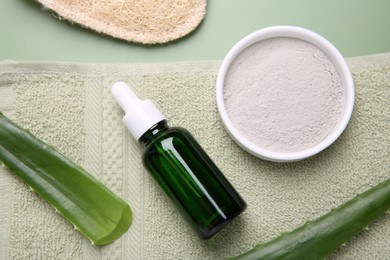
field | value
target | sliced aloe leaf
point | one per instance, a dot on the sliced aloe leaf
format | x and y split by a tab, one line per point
317	239
91	207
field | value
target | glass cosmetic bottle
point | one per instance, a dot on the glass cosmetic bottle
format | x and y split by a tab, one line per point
178	163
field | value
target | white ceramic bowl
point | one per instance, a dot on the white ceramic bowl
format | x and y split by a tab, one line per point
302	34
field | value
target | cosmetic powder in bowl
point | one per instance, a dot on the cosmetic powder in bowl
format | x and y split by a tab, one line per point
284	96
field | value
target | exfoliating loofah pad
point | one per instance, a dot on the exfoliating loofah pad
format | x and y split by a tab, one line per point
143	21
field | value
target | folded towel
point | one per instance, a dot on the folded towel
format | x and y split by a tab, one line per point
70	106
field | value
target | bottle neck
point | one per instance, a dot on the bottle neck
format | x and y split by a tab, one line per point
153	133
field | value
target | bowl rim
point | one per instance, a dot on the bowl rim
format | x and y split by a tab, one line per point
302	34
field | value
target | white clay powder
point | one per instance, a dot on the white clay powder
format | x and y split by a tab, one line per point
283	94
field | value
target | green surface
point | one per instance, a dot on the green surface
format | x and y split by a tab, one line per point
355	27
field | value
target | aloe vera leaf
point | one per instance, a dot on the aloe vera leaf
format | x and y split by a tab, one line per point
317	239
91	207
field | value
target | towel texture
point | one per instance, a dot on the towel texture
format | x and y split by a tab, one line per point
70	106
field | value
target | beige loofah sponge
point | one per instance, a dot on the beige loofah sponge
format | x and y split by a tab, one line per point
143	21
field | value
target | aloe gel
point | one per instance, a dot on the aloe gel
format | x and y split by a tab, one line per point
182	168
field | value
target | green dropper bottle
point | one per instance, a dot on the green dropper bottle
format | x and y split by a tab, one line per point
185	172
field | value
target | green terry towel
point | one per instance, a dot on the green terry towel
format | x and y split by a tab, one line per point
70	106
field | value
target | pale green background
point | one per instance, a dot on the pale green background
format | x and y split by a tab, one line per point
355	27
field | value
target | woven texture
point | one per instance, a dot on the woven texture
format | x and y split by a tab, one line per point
70	106
145	21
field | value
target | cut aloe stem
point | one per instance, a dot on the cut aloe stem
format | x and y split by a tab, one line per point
317	239
91	207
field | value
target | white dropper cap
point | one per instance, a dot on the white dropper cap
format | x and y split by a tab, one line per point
140	115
